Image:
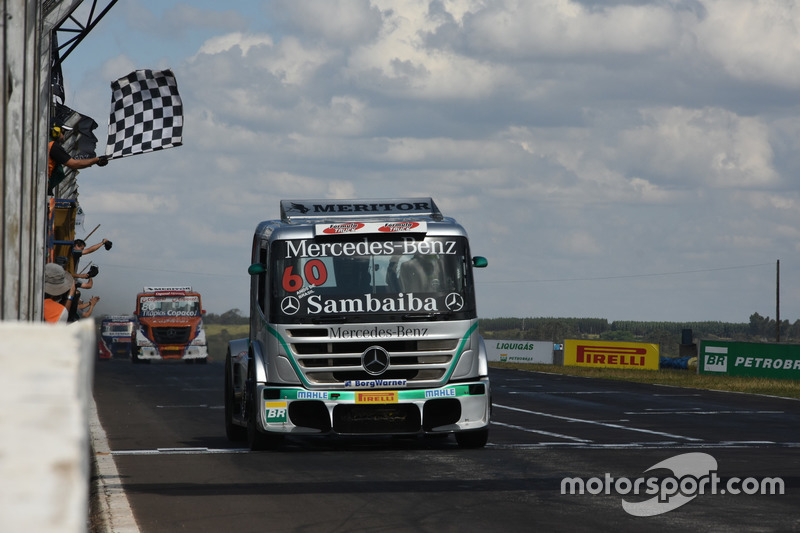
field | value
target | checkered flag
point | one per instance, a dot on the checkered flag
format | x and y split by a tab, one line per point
146	114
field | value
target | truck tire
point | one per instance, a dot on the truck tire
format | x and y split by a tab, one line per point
473	439
234	433
257	440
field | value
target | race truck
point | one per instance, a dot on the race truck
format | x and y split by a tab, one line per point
362	322
169	325
115	337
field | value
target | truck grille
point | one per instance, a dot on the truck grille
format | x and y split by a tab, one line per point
333	362
172	334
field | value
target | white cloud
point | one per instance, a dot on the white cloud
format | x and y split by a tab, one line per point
337	21
703	146
565	28
754	40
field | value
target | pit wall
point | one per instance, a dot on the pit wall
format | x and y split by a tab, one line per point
46	392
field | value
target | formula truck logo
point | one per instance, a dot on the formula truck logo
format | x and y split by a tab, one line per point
346	227
397	227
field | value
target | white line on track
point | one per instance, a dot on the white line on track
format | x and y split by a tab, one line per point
570	392
115	512
594	422
647	445
549	434
181	451
685	412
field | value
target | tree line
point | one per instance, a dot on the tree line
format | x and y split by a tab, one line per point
668	334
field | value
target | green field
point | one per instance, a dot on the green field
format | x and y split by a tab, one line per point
218	336
785	388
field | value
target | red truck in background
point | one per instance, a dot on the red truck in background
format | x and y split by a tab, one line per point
115	337
169	325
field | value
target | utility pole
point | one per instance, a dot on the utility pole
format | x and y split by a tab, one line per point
778	302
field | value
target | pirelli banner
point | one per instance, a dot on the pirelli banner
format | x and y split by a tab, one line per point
517	351
605	354
754	359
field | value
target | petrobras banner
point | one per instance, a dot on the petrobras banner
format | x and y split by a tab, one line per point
607	354
781	361
517	351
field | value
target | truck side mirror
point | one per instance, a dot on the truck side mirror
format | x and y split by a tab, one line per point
479	262
256	268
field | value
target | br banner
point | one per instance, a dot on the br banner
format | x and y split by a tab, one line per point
781	361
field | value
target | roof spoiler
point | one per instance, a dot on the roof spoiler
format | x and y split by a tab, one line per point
306	210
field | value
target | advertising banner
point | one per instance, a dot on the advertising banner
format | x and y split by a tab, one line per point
781	361
607	354
517	351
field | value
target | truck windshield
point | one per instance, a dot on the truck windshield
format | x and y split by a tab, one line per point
111	328
151	306
371	279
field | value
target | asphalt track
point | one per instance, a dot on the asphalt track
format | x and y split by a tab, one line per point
173	466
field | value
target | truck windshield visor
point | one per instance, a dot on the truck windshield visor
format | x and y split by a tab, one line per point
161	306
372	279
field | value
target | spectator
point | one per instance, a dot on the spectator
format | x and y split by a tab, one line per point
79	249
59	290
86	280
58	156
80	309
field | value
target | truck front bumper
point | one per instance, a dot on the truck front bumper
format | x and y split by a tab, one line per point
449	409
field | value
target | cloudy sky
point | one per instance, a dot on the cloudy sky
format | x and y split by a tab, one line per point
628	160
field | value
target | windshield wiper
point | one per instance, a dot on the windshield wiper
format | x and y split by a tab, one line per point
421	316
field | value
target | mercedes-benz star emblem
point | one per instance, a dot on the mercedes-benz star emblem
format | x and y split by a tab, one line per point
375	360
290	305
454	301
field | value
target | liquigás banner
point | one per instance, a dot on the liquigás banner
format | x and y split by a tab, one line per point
519	351
606	354
749	359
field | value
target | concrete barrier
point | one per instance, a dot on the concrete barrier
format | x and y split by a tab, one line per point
46	376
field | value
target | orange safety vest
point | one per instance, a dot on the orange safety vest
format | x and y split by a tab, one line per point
53	311
50	163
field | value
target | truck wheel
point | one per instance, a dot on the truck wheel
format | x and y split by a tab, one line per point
473	439
257	440
234	433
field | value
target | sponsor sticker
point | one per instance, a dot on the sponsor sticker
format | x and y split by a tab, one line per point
373	383
440	393
276	412
312	395
376	397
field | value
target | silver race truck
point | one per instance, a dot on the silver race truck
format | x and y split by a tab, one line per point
362	322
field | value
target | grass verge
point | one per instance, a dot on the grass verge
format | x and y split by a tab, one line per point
785	388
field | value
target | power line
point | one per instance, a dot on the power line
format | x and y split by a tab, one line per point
600	278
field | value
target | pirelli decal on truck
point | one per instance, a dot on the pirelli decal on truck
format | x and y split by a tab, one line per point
604	354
